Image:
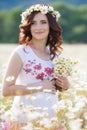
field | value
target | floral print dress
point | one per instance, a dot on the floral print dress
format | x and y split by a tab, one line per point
34	70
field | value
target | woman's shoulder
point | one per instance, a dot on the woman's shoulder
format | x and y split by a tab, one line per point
21	50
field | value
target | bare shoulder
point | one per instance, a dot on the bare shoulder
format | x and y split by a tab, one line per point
14	65
15	58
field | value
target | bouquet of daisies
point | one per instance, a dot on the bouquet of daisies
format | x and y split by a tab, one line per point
64	66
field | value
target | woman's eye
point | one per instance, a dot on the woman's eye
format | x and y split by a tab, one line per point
43	22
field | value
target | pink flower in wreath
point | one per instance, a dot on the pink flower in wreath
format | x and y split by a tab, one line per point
40	76
48	70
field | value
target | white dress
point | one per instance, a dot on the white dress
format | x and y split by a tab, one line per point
34	70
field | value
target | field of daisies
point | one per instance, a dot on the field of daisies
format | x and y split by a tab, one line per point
71	109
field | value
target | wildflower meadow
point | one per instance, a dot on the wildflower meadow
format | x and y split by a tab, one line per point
71	109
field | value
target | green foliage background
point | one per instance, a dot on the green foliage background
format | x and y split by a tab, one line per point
73	21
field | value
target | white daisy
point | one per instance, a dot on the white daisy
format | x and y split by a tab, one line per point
50	8
44	9
37	7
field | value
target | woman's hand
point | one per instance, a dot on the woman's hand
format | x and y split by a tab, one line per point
48	86
62	82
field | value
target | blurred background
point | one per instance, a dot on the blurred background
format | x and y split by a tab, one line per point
73	18
73	22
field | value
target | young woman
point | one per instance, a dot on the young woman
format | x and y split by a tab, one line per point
30	68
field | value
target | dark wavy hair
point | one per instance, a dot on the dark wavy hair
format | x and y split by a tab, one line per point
54	40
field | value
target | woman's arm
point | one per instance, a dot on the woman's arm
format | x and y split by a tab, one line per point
9	86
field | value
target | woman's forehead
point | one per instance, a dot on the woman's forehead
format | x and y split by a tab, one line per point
40	16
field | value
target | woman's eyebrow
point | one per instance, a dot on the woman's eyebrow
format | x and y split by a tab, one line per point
37	21
33	21
44	20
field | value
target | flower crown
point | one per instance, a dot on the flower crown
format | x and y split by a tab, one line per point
44	9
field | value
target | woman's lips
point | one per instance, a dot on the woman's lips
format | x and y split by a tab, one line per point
38	32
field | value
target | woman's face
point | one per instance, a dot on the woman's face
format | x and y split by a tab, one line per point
39	27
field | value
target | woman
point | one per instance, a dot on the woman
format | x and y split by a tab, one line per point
30	68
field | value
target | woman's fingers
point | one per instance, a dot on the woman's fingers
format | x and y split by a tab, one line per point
62	82
59	82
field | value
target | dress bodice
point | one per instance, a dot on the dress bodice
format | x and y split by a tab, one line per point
34	68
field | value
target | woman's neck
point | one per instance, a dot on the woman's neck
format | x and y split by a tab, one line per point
38	44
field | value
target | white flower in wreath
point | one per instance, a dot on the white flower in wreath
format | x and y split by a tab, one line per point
24	14
44	9
31	8
57	14
51	9
37	7
28	11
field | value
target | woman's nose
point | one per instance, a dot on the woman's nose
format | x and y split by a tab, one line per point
38	26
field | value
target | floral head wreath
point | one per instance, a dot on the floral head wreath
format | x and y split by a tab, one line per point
44	9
